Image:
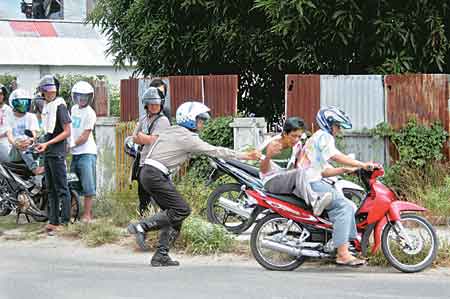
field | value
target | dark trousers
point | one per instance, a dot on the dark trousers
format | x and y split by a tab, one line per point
162	190
58	190
145	199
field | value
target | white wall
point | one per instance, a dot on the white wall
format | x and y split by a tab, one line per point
28	76
111	74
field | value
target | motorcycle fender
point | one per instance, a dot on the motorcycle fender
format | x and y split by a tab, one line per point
395	210
377	234
397	207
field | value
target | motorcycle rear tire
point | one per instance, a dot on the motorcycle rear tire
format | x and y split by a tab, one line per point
212	217
4	211
255	252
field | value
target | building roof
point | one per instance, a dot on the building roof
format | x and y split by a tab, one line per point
37	42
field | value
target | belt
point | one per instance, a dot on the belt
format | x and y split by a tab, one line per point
158	166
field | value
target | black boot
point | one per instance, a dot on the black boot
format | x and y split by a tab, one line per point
154	222
161	258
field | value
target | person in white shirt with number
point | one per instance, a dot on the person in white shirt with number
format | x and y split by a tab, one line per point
84	148
5	115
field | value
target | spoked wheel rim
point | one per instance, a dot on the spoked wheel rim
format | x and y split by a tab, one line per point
272	231
74	207
225	217
416	252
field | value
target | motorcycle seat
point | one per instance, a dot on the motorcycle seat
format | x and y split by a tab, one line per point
290	198
251	170
19	168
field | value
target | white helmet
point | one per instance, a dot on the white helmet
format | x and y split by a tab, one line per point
82	94
20	100
188	113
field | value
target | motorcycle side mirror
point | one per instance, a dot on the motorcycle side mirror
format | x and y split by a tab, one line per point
28	133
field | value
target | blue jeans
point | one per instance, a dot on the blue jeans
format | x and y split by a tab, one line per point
17	155
341	214
84	166
4	152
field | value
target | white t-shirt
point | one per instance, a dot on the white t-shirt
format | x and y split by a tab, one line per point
5	120
83	119
20	124
316	153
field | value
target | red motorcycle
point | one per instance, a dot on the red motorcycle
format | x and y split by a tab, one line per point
290	234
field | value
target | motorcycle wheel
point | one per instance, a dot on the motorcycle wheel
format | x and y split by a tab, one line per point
421	251
74	206
219	215
4	210
268	228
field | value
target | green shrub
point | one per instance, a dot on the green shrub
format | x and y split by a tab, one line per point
417	144
216	132
7	81
120	206
194	191
201	237
114	101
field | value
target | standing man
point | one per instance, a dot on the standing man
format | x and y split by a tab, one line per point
171	148
56	122
84	148
5	115
151	123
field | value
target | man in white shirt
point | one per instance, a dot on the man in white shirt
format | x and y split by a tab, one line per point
21	121
84	148
5	115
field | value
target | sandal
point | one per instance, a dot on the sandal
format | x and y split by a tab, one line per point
351	263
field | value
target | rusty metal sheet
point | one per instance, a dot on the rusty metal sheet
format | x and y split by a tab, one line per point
302	97
101	106
221	94
217	92
129	109
183	89
423	96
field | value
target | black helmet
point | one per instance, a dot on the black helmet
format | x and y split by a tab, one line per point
37	104
4	90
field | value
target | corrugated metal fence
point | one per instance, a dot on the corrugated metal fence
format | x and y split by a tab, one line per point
218	92
369	100
101	105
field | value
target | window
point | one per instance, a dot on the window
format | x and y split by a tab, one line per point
43	9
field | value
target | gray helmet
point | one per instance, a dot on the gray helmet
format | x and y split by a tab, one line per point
151	96
49	83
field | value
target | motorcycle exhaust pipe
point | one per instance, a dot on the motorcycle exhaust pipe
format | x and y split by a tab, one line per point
292	251
234	207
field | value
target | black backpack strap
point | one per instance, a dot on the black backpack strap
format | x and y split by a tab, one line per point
150	128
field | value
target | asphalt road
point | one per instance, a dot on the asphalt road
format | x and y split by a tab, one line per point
54	268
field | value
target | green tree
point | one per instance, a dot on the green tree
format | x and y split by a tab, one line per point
262	40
